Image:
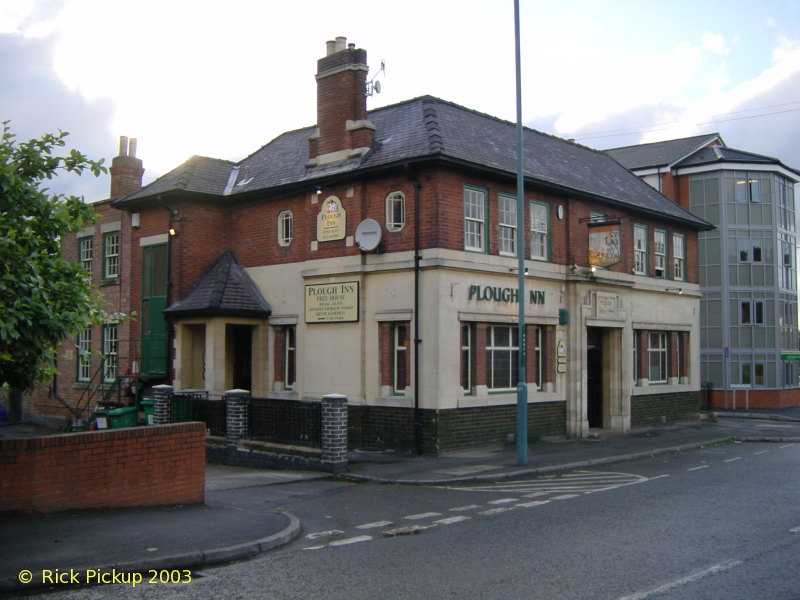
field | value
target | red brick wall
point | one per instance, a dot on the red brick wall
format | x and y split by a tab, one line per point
141	466
758	399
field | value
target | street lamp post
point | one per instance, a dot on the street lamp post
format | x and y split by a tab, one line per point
522	386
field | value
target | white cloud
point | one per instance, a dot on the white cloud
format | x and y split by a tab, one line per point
715	43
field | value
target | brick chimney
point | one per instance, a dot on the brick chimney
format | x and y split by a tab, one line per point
343	130
126	170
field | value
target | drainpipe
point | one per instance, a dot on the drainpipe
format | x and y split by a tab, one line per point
417	341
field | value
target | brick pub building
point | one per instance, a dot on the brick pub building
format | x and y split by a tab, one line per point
374	255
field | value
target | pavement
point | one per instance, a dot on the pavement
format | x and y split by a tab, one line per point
101	545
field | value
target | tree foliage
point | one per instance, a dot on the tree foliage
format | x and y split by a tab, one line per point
44	298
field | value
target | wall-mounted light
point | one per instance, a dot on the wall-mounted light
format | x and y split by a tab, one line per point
516	270
319	190
172	231
679	290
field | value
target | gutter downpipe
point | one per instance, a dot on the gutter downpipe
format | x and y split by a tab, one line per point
417	341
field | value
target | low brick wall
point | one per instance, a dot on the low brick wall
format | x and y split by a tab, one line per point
655	409
786	398
140	466
453	429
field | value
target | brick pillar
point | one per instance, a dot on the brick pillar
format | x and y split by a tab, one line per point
162	404
334	432
236	415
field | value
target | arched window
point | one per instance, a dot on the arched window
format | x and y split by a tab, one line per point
395	211
285	228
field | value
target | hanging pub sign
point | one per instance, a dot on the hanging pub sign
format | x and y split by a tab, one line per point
604	250
331	220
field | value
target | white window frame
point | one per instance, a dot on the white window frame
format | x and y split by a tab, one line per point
86	253
507	220
400	357
111	249
540	230
475	202
83	344
289	356
495	350
285	227
640	249
395	211
110	352
467	357
657	357
660	253
678	257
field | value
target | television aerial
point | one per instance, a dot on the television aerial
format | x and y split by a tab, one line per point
374	87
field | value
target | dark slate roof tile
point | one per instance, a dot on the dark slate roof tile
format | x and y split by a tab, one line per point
224	289
660	154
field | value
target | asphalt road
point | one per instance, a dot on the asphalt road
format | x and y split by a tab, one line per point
720	522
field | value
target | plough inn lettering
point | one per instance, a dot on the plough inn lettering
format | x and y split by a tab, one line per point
503	294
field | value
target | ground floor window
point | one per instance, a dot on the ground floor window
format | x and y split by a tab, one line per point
502	357
399	358
110	351
84	347
289	356
660	356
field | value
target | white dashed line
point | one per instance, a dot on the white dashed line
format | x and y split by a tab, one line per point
533	503
795	530
786	446
760	452
684	580
374	525
496	511
565	497
464	508
503	501
353	540
322	534
426	515
451	520
698	468
730	460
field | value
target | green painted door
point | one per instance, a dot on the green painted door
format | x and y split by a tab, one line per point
155	265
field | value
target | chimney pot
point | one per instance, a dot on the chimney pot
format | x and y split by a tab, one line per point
330	46
341	43
123	145
132	147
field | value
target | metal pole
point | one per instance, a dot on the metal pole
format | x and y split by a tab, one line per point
522	386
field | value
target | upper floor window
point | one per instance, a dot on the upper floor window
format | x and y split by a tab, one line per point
86	253
285	227
508	224
640	249
540	230
474	219
395	211
678	257
111	255
660	252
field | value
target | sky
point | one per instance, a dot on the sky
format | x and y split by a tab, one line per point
222	79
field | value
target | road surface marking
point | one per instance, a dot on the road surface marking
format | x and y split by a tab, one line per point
451	520
786	446
374	525
698	468
724	566
315	547
760	452
465	508
575	482
503	501
322	534
533	503
564	497
426	515
496	511
353	540
795	530
734	459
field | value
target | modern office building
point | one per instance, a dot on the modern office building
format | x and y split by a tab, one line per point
748	263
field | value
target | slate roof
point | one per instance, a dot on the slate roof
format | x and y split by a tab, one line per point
660	154
420	129
687	152
224	289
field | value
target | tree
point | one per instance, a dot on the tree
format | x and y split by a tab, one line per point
44	298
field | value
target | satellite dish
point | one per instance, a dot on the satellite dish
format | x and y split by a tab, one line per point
377	85
368	235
